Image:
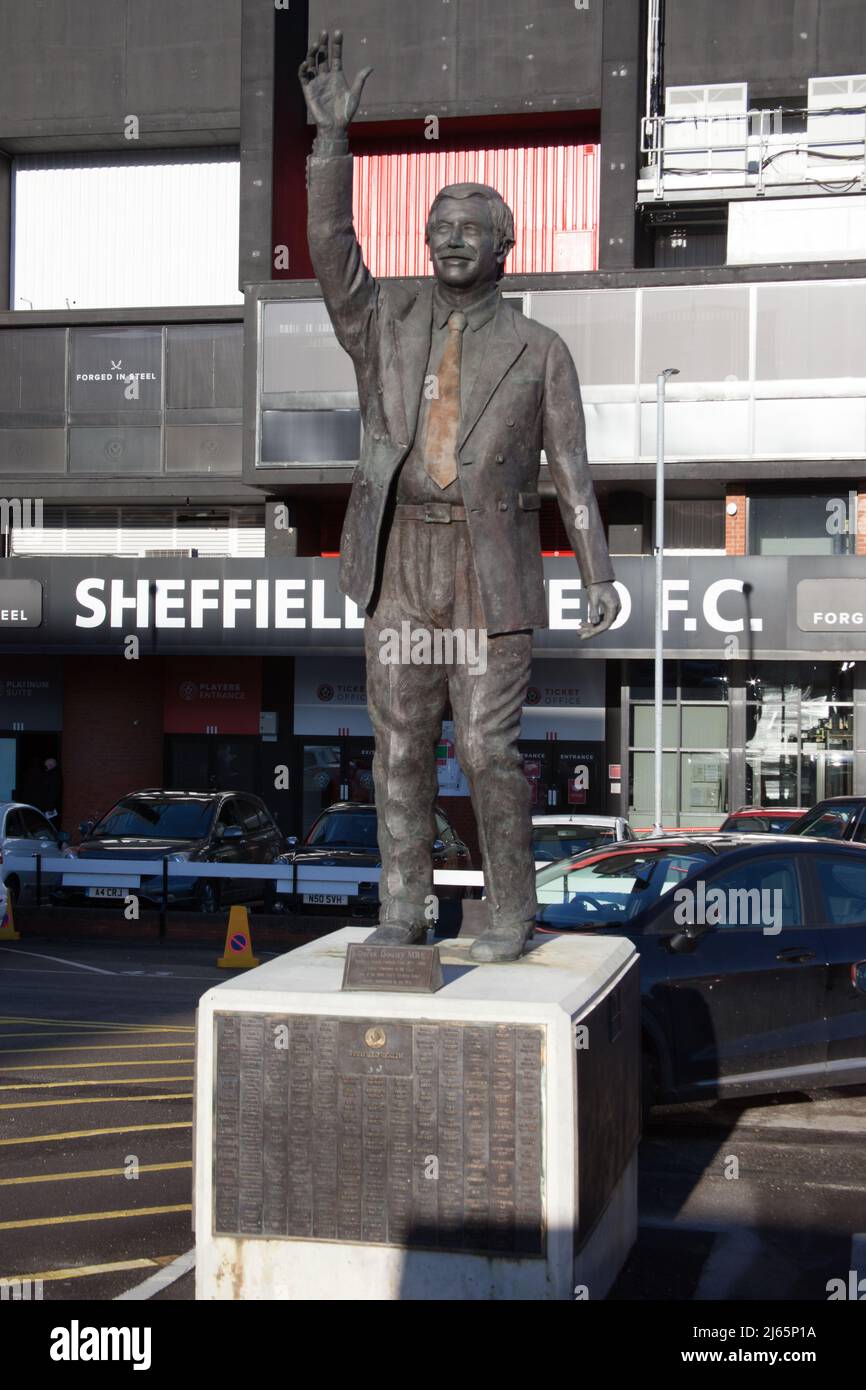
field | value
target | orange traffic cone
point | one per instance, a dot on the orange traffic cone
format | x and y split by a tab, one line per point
7	926
238	953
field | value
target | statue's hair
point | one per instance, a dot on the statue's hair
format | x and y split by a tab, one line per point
501	215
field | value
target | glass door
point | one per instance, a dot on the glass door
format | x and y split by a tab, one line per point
322	782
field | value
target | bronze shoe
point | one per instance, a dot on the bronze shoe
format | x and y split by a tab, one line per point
502	943
398	934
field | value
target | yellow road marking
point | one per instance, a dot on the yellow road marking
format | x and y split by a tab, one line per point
114	1023
81	1066
106	1081
85	1133
95	1100
92	1216
90	1033
92	1047
87	1271
94	1173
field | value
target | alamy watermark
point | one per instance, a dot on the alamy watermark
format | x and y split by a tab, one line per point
700	906
422	646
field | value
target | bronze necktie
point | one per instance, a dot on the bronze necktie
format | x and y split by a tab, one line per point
443	416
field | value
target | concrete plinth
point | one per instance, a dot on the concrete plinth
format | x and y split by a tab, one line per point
474	1143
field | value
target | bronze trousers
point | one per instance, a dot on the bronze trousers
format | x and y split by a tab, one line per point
428	586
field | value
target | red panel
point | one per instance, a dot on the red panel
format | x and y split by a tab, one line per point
550	188
212	695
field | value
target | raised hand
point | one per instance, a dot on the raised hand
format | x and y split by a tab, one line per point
330	100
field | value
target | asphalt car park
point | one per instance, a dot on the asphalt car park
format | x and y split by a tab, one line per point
96	1066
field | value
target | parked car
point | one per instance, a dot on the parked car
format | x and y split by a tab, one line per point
220	827
760	820
775	1002
560	836
836	818
346	835
24	834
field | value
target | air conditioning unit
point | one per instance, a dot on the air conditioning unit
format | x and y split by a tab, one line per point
829	120
701	121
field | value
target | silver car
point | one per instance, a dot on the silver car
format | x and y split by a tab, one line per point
24	834
563	836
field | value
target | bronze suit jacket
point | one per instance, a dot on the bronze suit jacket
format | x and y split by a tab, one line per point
525	397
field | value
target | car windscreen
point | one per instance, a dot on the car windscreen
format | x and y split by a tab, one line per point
565	841
156	820
345	830
829	824
606	890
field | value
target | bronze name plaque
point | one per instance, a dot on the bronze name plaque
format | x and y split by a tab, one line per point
392	969
379	1131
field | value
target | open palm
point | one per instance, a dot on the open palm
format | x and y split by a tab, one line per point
330	100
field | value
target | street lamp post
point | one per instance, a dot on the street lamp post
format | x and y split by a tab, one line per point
661	381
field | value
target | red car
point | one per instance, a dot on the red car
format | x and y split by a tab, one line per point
757	820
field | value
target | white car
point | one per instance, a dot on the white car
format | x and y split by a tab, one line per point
563	836
24	833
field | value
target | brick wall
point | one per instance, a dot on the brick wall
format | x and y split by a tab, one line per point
112	733
735	526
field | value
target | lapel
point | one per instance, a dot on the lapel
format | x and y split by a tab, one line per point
412	336
504	346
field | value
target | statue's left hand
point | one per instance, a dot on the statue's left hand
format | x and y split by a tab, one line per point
603	605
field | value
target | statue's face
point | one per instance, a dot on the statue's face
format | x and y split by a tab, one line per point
463	246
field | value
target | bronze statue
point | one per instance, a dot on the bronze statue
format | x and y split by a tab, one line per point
459	393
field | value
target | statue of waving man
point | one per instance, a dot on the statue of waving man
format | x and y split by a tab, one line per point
459	394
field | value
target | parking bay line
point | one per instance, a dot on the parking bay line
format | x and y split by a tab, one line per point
92	1047
93	1216
94	1173
160	1280
85	1066
115	1024
106	1080
86	1133
96	1100
86	1271
58	960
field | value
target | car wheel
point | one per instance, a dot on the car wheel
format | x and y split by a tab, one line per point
650	1084
208	896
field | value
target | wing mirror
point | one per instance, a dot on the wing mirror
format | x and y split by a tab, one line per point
438	844
291	841
86	826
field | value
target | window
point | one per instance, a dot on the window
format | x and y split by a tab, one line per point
832	824
36	826
843	890
799	732
762	893
695	732
797	526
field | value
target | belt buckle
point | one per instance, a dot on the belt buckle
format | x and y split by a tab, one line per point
437	511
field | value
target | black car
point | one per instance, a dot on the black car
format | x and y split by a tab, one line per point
764	989
220	827
345	836
837	818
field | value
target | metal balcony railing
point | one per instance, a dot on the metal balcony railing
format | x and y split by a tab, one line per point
753	149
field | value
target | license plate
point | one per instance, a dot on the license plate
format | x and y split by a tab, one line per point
107	892
327	899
